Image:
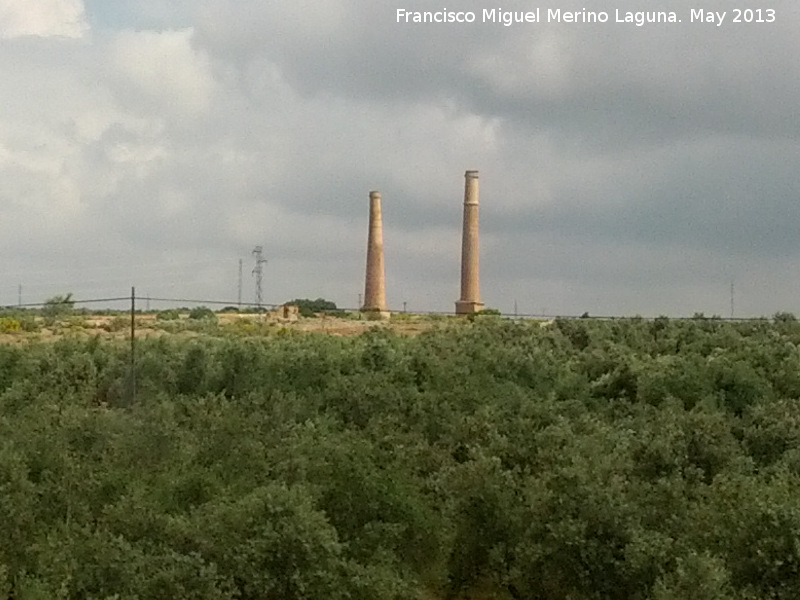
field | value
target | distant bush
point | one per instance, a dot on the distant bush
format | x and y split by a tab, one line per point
76	322
486	312
402	316
784	317
243	326
350	316
311	308
118	323
58	307
29	323
171	314
202	313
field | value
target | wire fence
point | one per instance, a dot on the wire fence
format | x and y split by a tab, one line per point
179	302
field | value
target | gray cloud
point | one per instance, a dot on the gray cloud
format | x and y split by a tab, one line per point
623	170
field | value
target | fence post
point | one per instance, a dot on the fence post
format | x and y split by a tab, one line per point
133	346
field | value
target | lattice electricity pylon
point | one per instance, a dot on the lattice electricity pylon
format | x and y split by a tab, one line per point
258	271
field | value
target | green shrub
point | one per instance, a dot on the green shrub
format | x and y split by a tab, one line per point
170	314
118	323
76	322
242	325
202	313
58	307
9	325
29	324
311	308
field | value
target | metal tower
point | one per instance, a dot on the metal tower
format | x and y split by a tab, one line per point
239	306
258	271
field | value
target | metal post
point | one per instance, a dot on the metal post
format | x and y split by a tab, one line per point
240	284
133	345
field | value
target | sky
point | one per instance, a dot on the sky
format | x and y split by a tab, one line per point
624	169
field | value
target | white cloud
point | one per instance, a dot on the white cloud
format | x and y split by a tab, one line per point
162	71
540	67
43	18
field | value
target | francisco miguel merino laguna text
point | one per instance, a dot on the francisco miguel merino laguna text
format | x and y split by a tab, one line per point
552	15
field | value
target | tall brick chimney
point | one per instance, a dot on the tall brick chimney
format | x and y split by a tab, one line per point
375	288
470	301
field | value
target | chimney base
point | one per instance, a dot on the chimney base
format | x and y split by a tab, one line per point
376	314
467	307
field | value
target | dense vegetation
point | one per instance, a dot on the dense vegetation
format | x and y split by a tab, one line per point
310	308
579	460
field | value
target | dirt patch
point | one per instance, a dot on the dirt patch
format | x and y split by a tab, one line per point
118	327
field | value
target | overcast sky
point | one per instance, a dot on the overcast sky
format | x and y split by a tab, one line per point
624	169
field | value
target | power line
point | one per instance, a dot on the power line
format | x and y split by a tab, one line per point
197	301
543	315
92	301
